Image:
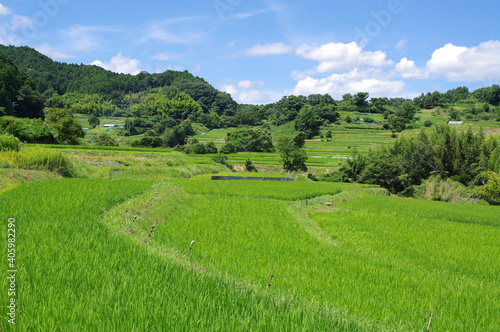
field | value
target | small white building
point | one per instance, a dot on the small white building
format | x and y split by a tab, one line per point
455	123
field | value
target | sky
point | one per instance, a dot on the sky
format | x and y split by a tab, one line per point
262	50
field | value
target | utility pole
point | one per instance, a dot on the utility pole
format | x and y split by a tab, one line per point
14	104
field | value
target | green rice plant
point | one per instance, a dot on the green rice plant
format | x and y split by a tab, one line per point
286	190
76	274
10	178
454	212
390	267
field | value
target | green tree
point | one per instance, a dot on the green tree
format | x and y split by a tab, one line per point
292	157
327	112
361	100
490	190
250	139
249	166
105	139
287	109
454	114
64	126
351	171
385	170
93	121
396	123
308	122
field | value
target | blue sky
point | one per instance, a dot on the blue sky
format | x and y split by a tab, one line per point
262	50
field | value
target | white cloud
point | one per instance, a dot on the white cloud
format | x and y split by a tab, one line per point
374	81
7	38
20	22
247	84
229	88
335	57
4	10
244	92
179	30
401	44
175	68
84	38
258	97
167	56
164	35
52	53
458	63
268	49
408	69
120	64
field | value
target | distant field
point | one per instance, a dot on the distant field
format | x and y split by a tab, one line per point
324	155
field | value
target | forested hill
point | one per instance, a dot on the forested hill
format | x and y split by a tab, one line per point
55	77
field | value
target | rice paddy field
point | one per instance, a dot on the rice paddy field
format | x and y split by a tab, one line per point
126	254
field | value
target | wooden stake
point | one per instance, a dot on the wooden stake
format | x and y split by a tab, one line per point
271	276
152	230
430	321
190	248
135	217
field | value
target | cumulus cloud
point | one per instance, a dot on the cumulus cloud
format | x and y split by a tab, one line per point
408	69
268	49
458	63
4	10
52	53
350	69
335	57
120	64
374	81
247	84
246	92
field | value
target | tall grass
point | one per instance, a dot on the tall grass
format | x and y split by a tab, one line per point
38	159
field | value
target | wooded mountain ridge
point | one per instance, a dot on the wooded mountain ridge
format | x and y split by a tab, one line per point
31	81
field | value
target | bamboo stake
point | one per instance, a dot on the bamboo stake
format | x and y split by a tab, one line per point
271	276
430	321
152	230
190	248
135	217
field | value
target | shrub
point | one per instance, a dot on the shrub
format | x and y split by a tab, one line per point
105	139
9	143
